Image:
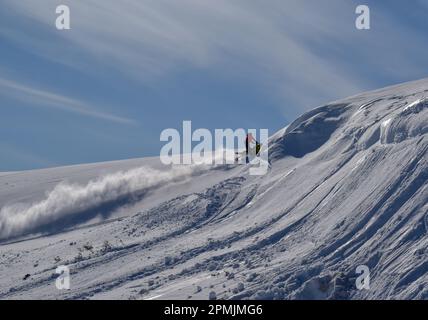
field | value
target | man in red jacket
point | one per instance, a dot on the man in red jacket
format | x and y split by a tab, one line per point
248	140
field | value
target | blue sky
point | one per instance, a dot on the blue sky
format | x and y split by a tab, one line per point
127	70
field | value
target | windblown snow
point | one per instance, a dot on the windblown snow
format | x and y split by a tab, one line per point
347	187
66	201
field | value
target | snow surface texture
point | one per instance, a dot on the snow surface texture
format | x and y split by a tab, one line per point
75	200
347	187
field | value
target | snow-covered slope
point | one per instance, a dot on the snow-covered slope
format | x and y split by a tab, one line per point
347	187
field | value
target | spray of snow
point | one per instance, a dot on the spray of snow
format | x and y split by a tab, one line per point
67	199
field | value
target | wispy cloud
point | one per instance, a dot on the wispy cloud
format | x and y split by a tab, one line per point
151	39
302	51
33	96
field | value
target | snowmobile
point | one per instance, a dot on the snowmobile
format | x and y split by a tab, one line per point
252	151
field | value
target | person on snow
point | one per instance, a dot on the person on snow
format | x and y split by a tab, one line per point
248	149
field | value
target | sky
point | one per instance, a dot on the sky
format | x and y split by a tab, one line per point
127	70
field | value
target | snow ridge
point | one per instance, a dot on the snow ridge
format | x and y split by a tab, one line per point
348	187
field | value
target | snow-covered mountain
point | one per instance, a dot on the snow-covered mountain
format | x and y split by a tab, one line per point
347	187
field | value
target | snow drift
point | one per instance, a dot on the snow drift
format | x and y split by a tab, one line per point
347	189
412	121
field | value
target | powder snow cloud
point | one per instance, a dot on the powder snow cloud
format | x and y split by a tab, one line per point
67	200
